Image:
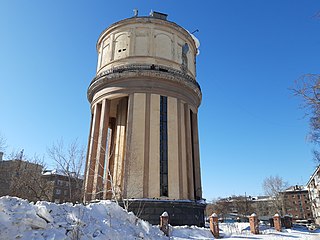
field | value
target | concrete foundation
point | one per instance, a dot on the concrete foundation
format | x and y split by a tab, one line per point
180	212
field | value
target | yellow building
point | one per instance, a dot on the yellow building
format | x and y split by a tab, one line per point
143	141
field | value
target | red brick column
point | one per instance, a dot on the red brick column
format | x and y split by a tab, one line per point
254	225
214	225
277	222
164	223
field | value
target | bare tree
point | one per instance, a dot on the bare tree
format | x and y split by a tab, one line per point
220	206
70	161
274	186
264	207
3	143
307	87
26	179
112	187
243	205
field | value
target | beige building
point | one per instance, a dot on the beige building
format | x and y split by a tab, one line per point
21	178
143	141
64	186
313	186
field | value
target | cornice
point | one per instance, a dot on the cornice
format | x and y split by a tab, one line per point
133	71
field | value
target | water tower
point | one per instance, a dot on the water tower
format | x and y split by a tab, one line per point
143	142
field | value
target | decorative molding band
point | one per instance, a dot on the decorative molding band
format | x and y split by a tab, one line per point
143	70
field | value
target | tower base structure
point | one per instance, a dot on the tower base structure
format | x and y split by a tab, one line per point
181	212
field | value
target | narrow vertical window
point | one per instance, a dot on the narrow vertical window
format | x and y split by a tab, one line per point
163	147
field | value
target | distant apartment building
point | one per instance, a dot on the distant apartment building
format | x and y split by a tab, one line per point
66	186
297	203
22	179
28	180
313	186
263	206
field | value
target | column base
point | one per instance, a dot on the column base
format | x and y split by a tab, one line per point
181	212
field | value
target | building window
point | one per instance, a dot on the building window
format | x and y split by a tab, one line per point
65	192
59	183
58	191
163	146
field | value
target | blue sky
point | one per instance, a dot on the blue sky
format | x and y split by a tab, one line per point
251	53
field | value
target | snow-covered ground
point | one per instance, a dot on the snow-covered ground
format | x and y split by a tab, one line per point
20	219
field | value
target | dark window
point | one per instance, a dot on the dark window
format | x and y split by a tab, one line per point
163	147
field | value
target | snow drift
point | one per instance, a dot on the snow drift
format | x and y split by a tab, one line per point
104	220
20	219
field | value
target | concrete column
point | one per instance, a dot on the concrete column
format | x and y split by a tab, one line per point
97	191
277	222
92	153
196	157
184	160
164	223
189	156
180	150
120	145
146	148
86	171
107	193
126	163
135	156
173	159
214	225
254	225
154	150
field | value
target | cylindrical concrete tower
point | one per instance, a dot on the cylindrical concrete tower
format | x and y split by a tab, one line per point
143	141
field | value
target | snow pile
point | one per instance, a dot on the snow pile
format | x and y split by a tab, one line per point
104	220
239	231
185	232
20	219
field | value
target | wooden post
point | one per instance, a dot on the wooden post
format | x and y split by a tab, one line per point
277	222
164	223
254	225
214	225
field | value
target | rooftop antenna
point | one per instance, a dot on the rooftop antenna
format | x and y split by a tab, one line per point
135	12
197	30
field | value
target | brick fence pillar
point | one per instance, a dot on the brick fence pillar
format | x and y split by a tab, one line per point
254	225
214	225
164	223
277	222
